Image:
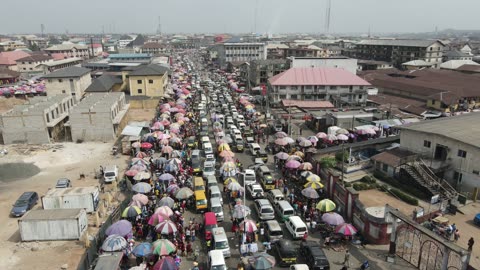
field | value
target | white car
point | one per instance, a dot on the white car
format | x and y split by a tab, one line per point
255	191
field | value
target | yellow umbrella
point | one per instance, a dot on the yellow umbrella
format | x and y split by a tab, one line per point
223	146
314	185
326	205
227	153
229	180
299	153
249	107
313	178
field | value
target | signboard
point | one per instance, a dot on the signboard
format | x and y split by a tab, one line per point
435	199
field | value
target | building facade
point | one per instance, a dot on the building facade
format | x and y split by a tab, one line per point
70	50
71	81
260	70
348	64
241	52
148	81
153	48
30	64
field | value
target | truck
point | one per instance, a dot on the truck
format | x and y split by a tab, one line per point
53	224
110	173
67	198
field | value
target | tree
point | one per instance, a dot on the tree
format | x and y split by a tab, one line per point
345	155
328	162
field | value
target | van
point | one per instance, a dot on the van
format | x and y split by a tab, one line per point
200	201
24	203
275	195
198	183
211	181
220	241
205	139
248	177
196	158
210	221
254	147
273	231
215	193
238	142
216	207
216	261
110	174
264	209
207	148
284	210
296	227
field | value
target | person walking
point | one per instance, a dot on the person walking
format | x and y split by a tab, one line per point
470	244
456	235
346	261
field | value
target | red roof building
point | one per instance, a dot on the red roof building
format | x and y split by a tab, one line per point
8	59
325	84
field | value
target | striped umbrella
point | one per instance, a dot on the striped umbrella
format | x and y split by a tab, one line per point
314	185
163	247
234	186
166	227
166	201
142	187
144	249
184	193
121	227
346	229
164	210
114	242
248	225
282	155
131	211
332	218
143	199
326	205
156	218
310	193
313	178
167	263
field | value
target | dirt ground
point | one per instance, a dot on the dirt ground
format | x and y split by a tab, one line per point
53	161
7	104
141	114
373	197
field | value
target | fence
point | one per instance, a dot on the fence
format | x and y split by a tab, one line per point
91	253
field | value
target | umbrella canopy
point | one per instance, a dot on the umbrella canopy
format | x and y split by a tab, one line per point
326	205
143	199
146	145
234	186
281	134
167	149
306	174
306	166
333	218
289	140
313	178
121	227
144	249
321	135
156	218
164	210
342	131
281	141
292	164
310	193
167	263
248	225
227	153
346	229
166	201
131	173
294	157
131	211
342	137
142	176
163	247
228	166
114	242
172	188
142	188
166	177
305	143
263	261
230	180
224	146
313	139
314	185
166	227
282	155
184	193
240	211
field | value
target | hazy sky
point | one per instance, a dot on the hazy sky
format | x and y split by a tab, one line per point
215	16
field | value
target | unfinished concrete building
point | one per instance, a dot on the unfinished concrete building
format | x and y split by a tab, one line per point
41	120
99	117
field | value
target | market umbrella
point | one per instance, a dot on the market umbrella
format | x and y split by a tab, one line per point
142	187
313	178
333	218
281	134
263	261
136	144
314	185
143	199
342	131
281	141
235	186
346	229
229	180
223	146
306	166
131	173
166	201
141	155
240	211
156	218
172	188
313	139
184	193
305	143
114	242
321	135
248	225
292	164
166	177
164	210
167	149
300	154
310	193
294	157
342	137
163	247
326	205
171	167
289	140
144	249
121	227
146	145
282	155
139	167
142	176
228	166
227	153
140	161
166	227
306	174
167	263
131	211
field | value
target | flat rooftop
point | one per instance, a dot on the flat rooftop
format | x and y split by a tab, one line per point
97	102
36	105
52	214
54	192
375	199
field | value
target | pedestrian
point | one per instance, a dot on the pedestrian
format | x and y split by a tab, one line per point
192	235
262	232
346	262
470	244
456	236
305	236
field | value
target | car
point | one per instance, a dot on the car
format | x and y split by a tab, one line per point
286	251
278	127
264	209
314	255
210	158
254	147
25	202
191	142
208	169
275	195
255	191
63	183
263	155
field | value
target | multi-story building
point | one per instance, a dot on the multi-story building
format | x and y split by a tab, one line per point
71	81
148	81
456	55
12	45
153	48
398	51
331	84
51	66
260	70
8	59
130	57
241	52
348	64
70	50
30	64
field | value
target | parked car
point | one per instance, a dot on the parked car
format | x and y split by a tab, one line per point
24	203
63	183
314	255
255	191
476	220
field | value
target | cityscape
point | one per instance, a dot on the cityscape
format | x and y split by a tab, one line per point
255	136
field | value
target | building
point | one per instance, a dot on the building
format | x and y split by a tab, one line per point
12	45
30	64
260	70
389	161
41	120
70	50
398	51
345	63
241	52
8	59
372	65
153	48
105	83
332	84
71	81
130	57
456	55
454	64
276	51
51	66
98	117
8	76
416	64
148	80
450	146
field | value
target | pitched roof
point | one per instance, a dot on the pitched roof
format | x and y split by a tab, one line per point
390	102
65	47
316	76
9	58
462	128
153	45
394	157
150	70
34	58
103	83
417	63
6	73
399	42
456	53
471	68
454	64
68	72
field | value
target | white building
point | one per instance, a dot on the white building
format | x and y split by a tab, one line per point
30	64
71	80
242	52
348	64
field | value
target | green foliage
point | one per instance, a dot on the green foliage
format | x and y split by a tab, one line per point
339	155
365	186
383	187
328	162
404	186
368	179
404	197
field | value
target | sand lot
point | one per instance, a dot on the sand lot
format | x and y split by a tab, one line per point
37	168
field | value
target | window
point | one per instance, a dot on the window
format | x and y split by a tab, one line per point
427	143
60	80
384	167
150	81
293	96
71	80
282	87
139	91
476	172
333	87
457	176
31	68
462	153
139	81
360	97
24	68
48	118
293	87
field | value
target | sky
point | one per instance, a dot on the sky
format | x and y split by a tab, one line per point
237	16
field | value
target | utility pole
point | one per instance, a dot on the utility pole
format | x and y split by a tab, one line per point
327	16
343	162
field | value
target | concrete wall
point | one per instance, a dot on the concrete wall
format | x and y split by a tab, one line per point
143	104
92	126
30	129
26	67
155	89
76	87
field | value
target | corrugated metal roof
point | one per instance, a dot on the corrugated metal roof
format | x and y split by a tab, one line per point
68	72
399	42
317	76
52	214
54	192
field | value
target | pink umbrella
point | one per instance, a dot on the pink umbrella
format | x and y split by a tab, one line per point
167	149
143	199
166	227
164	210
306	166
163	136
281	142
342	137
292	164
331	137
346	229
321	135
156	218
131	173
141	155
332	218
146	145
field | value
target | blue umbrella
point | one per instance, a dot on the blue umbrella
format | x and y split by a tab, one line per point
114	242
143	250
166	177
166	201
171	167
122	228
142	187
